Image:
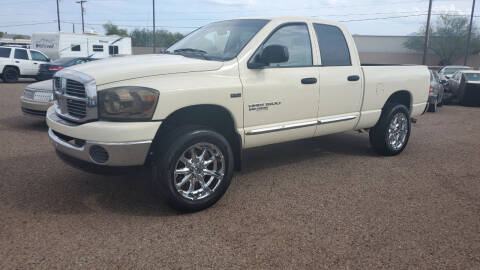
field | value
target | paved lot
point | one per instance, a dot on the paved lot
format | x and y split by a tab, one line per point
325	203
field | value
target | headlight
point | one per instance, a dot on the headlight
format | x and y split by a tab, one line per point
129	103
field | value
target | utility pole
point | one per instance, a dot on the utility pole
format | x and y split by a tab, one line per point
469	34
427	33
154	39
58	17
83	11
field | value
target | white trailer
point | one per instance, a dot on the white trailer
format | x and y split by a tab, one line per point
59	44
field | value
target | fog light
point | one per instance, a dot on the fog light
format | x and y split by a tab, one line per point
98	154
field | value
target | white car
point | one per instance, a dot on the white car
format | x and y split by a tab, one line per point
231	85
20	63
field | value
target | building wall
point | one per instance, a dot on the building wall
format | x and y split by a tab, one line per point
390	50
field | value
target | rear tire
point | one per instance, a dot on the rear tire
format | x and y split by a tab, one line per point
433	107
440	101
10	75
390	135
205	173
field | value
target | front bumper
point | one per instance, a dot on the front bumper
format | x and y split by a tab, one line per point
82	141
34	108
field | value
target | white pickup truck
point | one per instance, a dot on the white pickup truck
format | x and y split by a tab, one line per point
190	112
20	63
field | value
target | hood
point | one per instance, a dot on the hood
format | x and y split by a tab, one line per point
43	85
130	67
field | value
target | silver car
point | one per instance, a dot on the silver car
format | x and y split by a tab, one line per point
436	92
464	87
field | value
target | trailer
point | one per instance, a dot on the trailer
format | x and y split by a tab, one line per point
59	44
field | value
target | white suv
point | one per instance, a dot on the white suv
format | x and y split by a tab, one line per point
20	62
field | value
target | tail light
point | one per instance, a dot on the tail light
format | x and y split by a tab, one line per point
431	89
55	68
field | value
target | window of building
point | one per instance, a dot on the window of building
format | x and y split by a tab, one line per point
75	48
98	48
112	50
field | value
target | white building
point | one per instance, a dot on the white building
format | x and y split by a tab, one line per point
57	45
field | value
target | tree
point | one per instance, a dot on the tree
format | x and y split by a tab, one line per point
144	38
448	37
1	34
112	29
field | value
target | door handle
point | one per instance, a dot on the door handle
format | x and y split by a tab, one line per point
309	80
17	61
353	78
35	63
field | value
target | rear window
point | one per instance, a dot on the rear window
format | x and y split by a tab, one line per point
5	52
63	61
333	46
21	54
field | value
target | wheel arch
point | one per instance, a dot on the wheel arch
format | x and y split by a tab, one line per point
403	97
12	66
212	116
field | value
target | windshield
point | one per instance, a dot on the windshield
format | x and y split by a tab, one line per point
63	61
218	41
448	71
473	76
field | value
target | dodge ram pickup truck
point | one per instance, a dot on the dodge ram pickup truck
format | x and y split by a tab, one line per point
189	112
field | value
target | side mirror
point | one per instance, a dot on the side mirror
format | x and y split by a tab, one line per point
270	54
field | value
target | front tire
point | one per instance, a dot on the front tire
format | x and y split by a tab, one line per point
390	135
194	168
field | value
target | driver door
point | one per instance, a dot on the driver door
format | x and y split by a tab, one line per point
281	99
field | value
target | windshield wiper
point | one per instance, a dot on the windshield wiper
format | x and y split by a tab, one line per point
189	50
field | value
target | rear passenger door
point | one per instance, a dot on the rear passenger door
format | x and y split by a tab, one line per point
22	61
341	88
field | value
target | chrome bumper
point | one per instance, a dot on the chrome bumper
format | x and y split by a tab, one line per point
117	154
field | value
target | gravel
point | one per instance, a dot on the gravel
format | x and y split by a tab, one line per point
322	203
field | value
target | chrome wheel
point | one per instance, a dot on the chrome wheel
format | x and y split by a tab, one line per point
199	171
397	131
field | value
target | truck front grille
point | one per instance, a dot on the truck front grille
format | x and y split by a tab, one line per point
75	88
77	108
75	96
58	83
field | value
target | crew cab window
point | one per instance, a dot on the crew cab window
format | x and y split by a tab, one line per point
5	52
75	48
297	40
36	56
98	48
21	54
333	46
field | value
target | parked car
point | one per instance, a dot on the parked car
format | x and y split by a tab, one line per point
37	98
47	70
189	113
436	92
464	87
20	63
447	71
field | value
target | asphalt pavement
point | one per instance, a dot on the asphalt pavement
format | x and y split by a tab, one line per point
322	203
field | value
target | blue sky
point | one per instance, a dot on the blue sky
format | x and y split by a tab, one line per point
29	16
